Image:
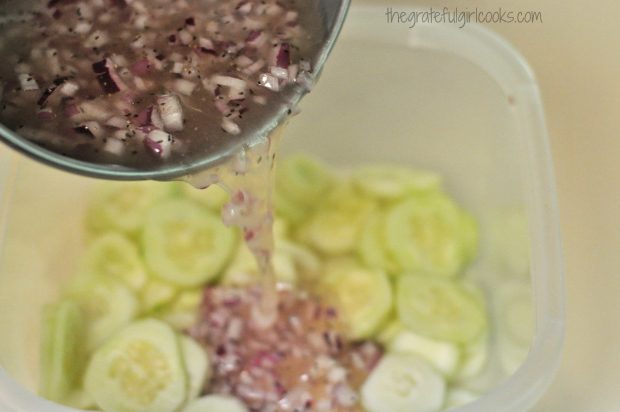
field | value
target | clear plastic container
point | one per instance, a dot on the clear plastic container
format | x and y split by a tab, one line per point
459	101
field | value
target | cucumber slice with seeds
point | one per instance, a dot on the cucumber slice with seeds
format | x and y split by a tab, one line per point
363	296
197	365
439	308
335	226
389	182
122	206
216	403
424	234
108	305
302	179
138	370
403	383
371	248
113	255
184	244
444	356
61	351
156	294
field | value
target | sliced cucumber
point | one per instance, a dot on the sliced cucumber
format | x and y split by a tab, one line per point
108	305
138	370
61	351
425	234
403	383
389	182
289	210
184	244
197	365
389	331
457	397
79	399
444	356
363	296
122	206
439	308
213	197
113	255
156	294
371	248
216	403
474	358
182	312
335	226
302	179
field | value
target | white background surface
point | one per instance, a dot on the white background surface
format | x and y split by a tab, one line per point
575	53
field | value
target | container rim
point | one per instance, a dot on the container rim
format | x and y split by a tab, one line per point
511	72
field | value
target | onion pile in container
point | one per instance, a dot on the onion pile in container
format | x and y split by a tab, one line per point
128	81
302	363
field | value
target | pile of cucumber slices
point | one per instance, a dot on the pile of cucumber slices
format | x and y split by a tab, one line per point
383	243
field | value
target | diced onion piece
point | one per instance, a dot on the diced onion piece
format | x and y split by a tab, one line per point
269	81
177	68
171	112
262	100
156	119
119	60
184	87
117	122
304	66
293	70
229	81
69	88
159	142
92	110
176	57
254	67
185	37
291	16
230	127
83	27
243	61
279	72
206	43
94	128
245	7
141	20
114	146
27	82
138	42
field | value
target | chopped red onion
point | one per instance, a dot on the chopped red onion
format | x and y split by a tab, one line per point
282	56
222	106
254	67
262	100
94	128
243	61
269	81
184	87
185	37
117	122
159	142
107	76
171	112
27	82
114	146
279	72
69	88
230	127
82	27
45	114
141	68
229	81
256	38
94	110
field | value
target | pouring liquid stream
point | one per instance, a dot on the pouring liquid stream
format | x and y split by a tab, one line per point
249	178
